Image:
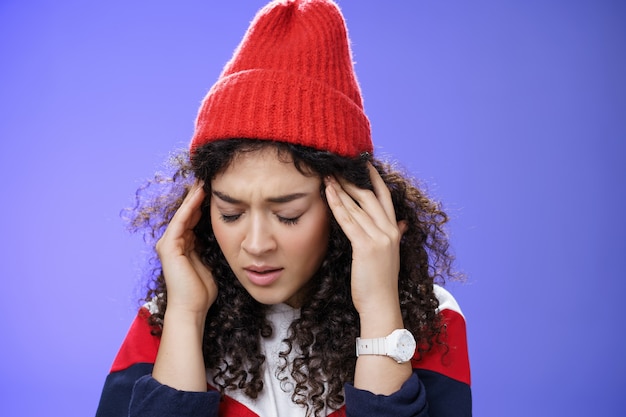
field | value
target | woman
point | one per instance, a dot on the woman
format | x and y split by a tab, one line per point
295	271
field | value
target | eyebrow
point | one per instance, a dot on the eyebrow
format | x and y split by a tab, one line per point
279	199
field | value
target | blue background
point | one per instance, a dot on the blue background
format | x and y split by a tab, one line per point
512	112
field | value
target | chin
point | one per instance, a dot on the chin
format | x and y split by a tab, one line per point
268	299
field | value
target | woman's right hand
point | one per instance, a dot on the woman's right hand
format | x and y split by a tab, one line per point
191	291
190	284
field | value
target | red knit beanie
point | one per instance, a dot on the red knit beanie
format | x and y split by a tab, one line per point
290	80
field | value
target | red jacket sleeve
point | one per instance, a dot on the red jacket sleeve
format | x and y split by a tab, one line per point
139	346
445	370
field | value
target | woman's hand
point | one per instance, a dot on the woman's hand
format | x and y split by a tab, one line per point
191	291
368	219
190	284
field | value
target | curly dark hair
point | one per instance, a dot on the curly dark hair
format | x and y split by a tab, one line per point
323	336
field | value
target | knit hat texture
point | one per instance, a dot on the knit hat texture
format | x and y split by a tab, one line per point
291	79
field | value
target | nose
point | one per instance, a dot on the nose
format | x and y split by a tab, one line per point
259	238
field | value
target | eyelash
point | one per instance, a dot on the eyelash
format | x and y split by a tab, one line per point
229	218
290	221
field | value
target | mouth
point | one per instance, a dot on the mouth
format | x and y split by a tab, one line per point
261	269
263	275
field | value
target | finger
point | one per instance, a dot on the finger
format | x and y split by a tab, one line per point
357	224
179	237
382	192
364	205
189	213
203	271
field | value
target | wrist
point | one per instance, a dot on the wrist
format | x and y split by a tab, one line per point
399	345
380	323
184	317
180	362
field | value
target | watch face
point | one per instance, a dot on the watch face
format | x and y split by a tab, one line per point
404	348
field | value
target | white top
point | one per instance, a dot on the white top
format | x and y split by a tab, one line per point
275	400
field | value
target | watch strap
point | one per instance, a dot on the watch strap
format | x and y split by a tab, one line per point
375	346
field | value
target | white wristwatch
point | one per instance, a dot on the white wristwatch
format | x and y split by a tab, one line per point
399	346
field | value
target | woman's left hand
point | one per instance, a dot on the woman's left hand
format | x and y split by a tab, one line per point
368	219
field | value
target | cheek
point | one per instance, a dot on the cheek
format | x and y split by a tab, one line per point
313	243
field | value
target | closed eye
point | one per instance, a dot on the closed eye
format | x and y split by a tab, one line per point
289	220
226	218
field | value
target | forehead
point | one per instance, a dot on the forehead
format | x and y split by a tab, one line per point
267	167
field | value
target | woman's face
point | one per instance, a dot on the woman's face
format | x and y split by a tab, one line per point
272	225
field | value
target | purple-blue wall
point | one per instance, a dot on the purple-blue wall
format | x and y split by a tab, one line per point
513	113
